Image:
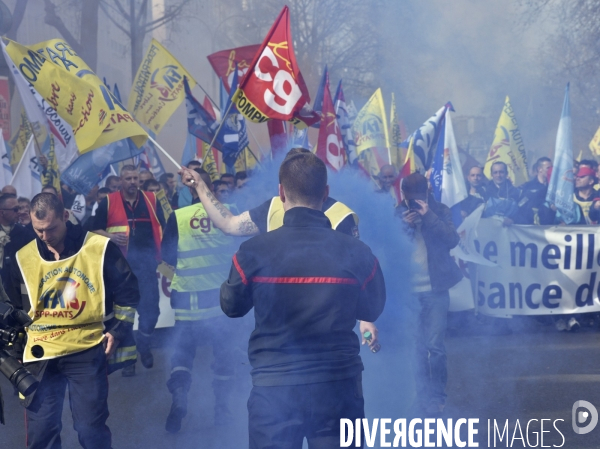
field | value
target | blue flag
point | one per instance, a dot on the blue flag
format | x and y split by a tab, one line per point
190	150
561	187
318	104
91	167
200	122
233	135
425	139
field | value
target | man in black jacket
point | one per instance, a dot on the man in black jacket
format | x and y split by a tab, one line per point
82	316
308	285
430	225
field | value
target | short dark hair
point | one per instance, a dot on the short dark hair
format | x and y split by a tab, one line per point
205	176
129	167
5	197
50	187
112	178
227	175
165	176
218	183
499	163
193	162
104	190
303	177
415	183
44	202
21	199
149	183
539	162
241	175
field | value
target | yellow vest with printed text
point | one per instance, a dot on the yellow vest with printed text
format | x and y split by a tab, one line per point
203	252
67	299
336	214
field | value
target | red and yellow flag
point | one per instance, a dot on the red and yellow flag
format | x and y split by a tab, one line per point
273	87
223	62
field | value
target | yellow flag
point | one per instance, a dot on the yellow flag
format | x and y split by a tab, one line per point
595	144
19	140
157	89
209	163
410	158
245	161
370	127
508	147
395	137
75	101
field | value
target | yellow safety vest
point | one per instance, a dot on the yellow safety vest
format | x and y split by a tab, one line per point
585	207
336	214
203	252
67	299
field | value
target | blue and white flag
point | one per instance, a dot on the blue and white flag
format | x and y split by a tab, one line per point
5	170
454	189
561	187
200	122
233	135
148	158
345	120
426	138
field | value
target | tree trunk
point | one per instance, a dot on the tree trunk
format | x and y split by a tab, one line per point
17	18
89	32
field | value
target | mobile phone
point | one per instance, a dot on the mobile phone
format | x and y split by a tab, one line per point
413	205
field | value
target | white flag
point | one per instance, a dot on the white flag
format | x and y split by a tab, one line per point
454	189
5	170
27	174
467	231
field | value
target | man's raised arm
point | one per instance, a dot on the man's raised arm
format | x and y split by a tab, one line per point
239	225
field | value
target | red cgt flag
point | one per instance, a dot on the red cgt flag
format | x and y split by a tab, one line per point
223	62
330	146
273	87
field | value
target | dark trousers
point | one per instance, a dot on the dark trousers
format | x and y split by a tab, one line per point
431	374
219	334
148	309
281	417
85	374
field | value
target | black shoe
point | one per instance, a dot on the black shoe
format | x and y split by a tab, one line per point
128	371
147	359
178	411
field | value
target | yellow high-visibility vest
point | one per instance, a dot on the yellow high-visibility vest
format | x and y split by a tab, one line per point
203	252
67	299
336	214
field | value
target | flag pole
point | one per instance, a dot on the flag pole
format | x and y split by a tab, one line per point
219	109
220	125
157	145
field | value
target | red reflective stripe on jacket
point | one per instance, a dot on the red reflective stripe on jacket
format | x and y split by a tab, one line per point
239	270
304	280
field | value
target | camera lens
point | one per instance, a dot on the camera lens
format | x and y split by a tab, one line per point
14	371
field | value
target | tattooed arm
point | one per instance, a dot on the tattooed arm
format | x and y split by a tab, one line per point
239	225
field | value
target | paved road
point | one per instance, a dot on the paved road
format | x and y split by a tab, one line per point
533	373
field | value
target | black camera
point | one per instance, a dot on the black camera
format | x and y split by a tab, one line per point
12	322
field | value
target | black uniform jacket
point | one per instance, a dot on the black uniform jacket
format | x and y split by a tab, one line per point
308	285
